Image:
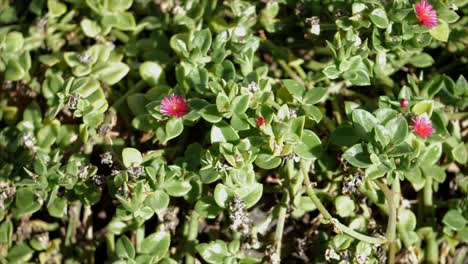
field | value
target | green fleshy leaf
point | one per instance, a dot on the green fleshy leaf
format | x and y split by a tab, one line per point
356	156
441	31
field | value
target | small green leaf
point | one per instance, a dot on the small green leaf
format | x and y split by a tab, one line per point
131	157
341	242
20	253
294	88
461	86
116	226
312	112
364	120
174	128
222	195
240	104
158	200
93	120
422	60
214	252
125	21
306	204
454	219
56	8
119	5
222	132
425	106
379	17
374	172
90	28
441	32
14	42
332	72
152	72
179	43
250	194
112	73
267	161
26	202
156	244
223	103
58	207
209	175
344	206
84	86
382	135
310	147
460	154
431	154
177	188
357	156
14	71
406	219
314	95
210	113
435	172
357	77
202	40
124	248
398	128
207	207
415	178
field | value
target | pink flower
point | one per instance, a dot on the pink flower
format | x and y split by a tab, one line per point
260	121
426	14
403	103
174	106
422	126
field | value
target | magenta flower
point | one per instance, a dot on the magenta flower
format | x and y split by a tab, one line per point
174	106
422	126
260	121
403	103
426	14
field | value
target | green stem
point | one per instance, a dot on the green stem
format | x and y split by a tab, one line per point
283	207
140	236
392	216
339	226
289	71
318	204
290	177
432	250
403	235
110	243
427	192
296	64
274	104
336	111
191	237
120	35
280	224
357	235
428	210
328	123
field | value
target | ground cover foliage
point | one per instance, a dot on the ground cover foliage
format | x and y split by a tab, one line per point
204	131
